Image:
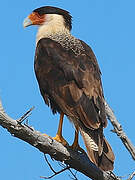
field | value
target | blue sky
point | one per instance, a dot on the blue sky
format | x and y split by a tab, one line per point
109	28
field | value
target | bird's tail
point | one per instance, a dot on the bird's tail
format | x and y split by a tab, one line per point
98	149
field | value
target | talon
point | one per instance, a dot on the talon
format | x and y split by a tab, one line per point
59	136
61	140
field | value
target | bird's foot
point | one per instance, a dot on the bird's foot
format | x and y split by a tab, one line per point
60	139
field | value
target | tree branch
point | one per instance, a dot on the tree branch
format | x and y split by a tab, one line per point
56	173
56	150
119	131
131	176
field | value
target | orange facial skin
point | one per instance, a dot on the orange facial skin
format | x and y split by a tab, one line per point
36	18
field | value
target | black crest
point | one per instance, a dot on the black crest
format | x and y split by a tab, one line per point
55	10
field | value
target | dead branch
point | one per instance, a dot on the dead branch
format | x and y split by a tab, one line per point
49	164
119	131
25	116
131	176
56	173
76	160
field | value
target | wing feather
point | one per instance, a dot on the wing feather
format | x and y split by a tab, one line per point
81	81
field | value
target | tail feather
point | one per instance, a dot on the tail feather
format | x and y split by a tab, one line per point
91	146
107	150
99	152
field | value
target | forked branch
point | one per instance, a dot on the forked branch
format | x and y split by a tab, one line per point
73	159
119	131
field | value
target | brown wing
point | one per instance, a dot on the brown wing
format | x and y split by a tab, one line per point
79	77
72	85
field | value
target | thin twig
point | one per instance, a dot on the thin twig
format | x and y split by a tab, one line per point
49	164
131	176
27	122
74	175
26	115
55	173
111	175
64	166
61	164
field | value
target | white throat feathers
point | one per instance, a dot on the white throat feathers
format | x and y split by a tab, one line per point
54	28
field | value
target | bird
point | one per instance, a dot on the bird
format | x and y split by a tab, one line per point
69	80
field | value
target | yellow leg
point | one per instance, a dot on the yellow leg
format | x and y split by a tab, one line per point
59	136
75	144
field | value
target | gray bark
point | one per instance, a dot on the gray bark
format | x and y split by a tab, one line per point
119	131
45	144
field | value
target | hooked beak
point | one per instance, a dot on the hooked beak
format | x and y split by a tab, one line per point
34	19
27	22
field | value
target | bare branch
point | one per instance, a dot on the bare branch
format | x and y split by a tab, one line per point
25	116
49	164
131	176
56	150
119	131
65	167
74	175
56	173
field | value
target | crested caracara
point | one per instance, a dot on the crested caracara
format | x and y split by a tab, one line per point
69	80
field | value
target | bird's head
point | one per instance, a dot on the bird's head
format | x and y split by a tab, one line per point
48	15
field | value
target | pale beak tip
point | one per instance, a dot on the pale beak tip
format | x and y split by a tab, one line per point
27	22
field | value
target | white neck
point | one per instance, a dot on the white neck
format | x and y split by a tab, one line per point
54	24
